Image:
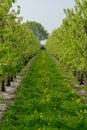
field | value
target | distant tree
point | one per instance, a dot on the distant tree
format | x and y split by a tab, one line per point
38	30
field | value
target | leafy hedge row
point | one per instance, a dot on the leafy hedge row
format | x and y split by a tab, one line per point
69	42
18	42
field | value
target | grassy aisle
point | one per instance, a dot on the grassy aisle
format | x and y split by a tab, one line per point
45	101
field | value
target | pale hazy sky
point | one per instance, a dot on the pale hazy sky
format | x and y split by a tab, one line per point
47	12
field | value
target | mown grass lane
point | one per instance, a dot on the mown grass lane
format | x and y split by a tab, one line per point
46	101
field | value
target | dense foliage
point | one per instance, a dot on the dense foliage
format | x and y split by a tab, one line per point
69	42
17	42
38	30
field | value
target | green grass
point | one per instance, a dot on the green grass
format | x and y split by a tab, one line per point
45	101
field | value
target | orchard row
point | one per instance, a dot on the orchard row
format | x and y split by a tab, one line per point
69	42
18	43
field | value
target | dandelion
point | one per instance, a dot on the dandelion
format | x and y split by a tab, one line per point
85	111
81	110
72	98
39	129
41	115
68	86
35	111
81	117
48	99
72	92
78	114
45	90
48	123
78	100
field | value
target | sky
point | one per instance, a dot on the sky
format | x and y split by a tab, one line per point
47	12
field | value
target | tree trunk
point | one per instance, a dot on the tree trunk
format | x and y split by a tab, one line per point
8	81
74	72
3	86
78	75
81	80
11	78
14	76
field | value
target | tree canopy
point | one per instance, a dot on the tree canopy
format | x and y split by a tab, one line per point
38	30
16	47
69	42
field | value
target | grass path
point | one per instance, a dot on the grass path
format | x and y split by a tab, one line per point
45	101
